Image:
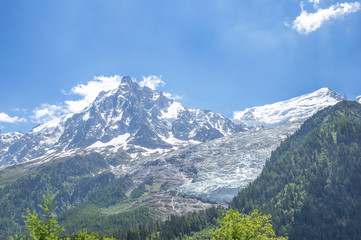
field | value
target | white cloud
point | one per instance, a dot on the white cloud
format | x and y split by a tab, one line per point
22	110
309	22
153	82
47	112
315	2
88	92
170	96
6	118
91	90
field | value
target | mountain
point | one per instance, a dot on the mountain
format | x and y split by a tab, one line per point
132	118
133	147
215	171
156	131
358	99
142	121
295	109
311	184
8	139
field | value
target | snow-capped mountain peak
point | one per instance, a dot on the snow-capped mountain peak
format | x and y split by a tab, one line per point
295	109
131	118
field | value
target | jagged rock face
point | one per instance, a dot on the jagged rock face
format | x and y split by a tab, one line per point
7	141
295	109
131	117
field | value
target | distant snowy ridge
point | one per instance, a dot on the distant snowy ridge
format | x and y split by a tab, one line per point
291	110
7	138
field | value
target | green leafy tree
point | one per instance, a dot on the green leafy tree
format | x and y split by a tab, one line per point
253	227
43	227
86	236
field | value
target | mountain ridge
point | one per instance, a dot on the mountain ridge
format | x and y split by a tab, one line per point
290	110
148	121
143	121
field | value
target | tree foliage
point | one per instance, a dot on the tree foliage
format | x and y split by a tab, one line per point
43	227
255	226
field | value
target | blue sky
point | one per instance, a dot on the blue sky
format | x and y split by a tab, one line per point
215	54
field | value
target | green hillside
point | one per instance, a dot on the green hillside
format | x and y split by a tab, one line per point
83	195
312	183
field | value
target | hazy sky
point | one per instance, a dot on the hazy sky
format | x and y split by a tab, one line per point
223	55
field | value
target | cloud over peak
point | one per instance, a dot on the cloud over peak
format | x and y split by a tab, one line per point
47	112
153	82
91	90
88	92
7	119
307	22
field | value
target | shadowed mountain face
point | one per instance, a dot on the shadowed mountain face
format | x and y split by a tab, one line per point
136	119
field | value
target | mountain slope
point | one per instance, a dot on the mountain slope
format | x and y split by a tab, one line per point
311	185
295	109
216	170
136	119
83	185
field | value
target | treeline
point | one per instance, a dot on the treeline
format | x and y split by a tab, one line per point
131	225
90	218
175	227
231	225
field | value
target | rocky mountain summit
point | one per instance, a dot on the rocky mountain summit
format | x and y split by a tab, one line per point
131	118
